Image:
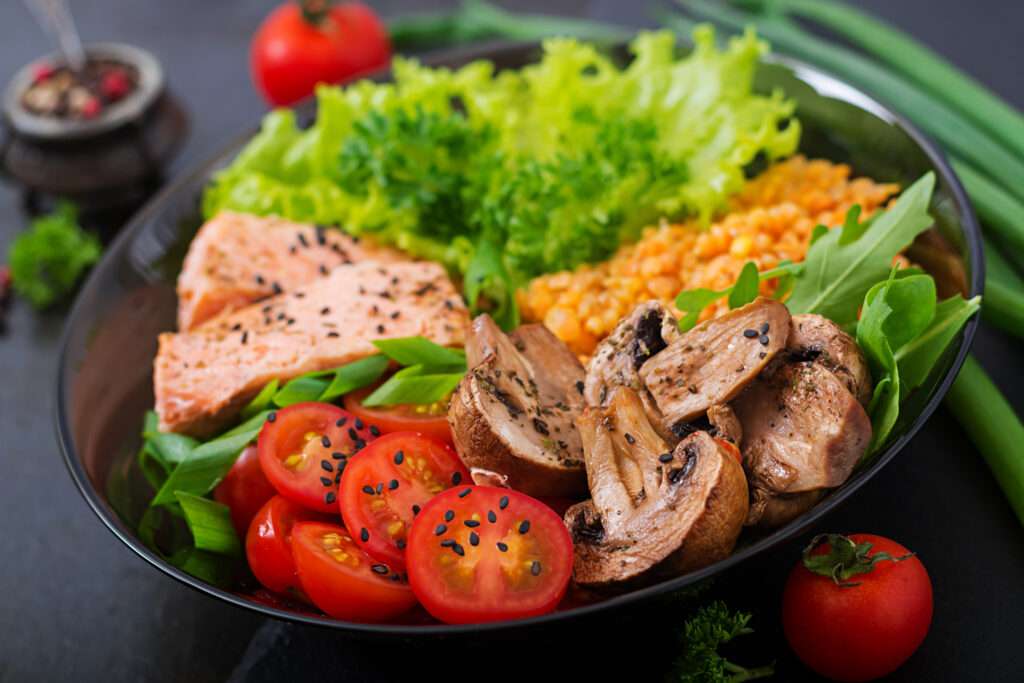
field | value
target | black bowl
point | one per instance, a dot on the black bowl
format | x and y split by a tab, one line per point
104	378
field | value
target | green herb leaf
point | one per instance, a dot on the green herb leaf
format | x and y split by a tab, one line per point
212	568
420	351
262	401
918	356
488	287
171	448
705	633
745	288
838	272
692	302
210	524
205	466
300	390
355	375
49	258
414	388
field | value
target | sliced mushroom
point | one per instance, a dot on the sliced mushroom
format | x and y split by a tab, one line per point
803	432
813	337
725	424
653	510
512	415
712	363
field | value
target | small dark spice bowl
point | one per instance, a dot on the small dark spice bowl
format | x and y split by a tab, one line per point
100	137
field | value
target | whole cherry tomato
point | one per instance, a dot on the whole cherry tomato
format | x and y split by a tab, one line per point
855	608
301	44
244	489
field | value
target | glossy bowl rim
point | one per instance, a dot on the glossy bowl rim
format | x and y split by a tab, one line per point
98	504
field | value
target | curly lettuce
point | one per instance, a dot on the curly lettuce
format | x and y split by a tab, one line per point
504	176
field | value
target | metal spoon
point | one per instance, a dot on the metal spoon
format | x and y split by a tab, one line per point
55	18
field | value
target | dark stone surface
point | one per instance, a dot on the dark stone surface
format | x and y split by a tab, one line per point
77	605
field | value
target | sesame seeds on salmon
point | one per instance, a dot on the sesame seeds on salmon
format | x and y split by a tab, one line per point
237	259
203	377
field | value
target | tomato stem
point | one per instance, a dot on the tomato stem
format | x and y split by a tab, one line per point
315	11
844	559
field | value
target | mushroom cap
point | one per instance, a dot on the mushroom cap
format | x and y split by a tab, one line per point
651	514
512	415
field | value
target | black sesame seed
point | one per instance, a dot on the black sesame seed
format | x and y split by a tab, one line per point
260	280
321	237
338	456
374	430
471	523
503	503
440	529
236	327
630	439
364	535
393	484
325	310
579	387
447	543
456	478
764	340
326	481
749	334
399	457
330	498
502	547
400	544
290	321
276	288
449	515
368	490
491	517
359	444
326	466
302	240
395	577
337	477
359	423
473	538
380	329
326	441
465	492
380	569
394	316
764	328
271	416
341	422
665	457
535	568
415	510
459	550
245	337
380	487
323	269
524	526
352	434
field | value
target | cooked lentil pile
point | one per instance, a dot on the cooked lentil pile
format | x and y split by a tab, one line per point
769	221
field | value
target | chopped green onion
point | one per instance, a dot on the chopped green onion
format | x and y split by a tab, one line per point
420	351
414	388
205	466
262	401
355	375
210	524
301	390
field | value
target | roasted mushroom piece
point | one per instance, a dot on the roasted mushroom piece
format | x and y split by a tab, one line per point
654	510
803	433
712	363
814	337
512	415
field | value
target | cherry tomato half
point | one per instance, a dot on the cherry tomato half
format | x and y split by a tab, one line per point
431	420
481	553
268	545
244	489
866	628
297	47
342	580
387	483
304	449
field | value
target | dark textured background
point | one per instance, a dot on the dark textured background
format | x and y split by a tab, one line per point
77	605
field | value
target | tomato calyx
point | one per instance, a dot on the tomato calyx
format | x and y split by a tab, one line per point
845	558
315	12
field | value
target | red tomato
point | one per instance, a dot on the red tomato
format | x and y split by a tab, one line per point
268	545
482	553
342	580
869	623
301	44
244	489
430	420
304	450
386	484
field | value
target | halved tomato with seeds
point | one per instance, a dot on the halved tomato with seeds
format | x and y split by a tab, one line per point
431	420
268	544
344	581
386	484
303	450
481	553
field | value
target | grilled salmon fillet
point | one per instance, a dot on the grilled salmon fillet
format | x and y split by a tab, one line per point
237	259
203	377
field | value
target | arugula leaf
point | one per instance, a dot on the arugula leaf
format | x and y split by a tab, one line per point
420	351
918	356
694	301
300	390
704	634
355	375
262	400
210	524
839	270
745	289
414	387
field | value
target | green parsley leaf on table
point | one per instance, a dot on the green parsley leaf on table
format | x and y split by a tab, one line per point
704	634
